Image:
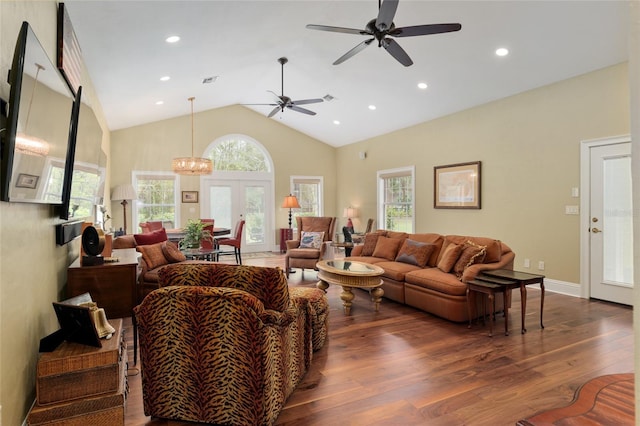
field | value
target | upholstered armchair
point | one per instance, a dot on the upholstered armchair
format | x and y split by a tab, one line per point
225	344
305	256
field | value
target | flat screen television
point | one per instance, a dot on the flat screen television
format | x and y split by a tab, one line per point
38	135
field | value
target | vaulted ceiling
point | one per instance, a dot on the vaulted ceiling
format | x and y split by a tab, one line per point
238	43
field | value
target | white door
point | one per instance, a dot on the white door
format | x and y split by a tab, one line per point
228	201
611	223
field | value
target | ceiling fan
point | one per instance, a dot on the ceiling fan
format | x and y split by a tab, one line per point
382	27
281	101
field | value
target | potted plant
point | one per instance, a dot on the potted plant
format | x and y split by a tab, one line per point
194	233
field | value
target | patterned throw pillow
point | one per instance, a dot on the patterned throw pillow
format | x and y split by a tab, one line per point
449	257
311	239
387	248
151	237
370	241
471	253
415	253
172	253
153	255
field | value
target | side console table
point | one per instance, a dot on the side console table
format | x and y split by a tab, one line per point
503	281
111	285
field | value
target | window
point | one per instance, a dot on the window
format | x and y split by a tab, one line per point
308	190
238	153
86	178
157	197
396	199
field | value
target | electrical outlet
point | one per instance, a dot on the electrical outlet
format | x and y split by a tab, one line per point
541	265
527	263
571	210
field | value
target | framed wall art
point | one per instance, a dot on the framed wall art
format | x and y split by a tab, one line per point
189	196
27	181
457	186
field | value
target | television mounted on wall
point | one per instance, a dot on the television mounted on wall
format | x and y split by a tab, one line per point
39	132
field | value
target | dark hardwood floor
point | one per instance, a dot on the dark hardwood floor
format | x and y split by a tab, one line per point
401	366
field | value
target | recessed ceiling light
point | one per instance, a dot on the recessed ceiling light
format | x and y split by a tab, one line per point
159	102
422	86
172	39
502	51
372	107
211	79
165	78
336	122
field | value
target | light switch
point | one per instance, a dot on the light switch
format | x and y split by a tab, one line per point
575	192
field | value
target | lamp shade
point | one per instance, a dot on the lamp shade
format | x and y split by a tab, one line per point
350	212
124	192
290	202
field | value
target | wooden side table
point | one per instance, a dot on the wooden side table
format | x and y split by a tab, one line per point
285	234
111	285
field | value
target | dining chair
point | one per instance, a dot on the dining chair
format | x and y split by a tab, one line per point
235	242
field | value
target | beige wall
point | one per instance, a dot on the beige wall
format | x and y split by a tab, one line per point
151	147
529	148
32	267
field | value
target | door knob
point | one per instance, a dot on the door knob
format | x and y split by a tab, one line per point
595	230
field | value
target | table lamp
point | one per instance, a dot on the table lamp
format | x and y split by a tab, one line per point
124	192
350	212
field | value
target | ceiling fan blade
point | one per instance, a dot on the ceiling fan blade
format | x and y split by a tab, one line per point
307	101
260	104
385	14
353	51
274	111
338	29
419	30
302	110
277	99
397	52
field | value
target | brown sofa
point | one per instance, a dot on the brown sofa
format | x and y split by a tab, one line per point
424	284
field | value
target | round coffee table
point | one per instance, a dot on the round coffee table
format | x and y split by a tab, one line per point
349	274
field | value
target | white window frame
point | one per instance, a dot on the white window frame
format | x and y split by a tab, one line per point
137	174
317	180
397	172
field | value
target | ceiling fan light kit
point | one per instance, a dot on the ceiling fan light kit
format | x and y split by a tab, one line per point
381	28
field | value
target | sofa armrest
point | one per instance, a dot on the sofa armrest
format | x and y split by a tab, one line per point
506	262
292	244
356	250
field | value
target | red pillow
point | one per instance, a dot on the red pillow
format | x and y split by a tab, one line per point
151	238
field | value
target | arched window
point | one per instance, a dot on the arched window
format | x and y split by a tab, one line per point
238	153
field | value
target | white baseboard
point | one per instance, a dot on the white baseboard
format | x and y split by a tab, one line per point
561	287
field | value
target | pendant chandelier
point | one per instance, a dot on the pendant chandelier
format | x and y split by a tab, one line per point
28	144
192	165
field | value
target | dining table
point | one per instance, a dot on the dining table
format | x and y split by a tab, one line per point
177	234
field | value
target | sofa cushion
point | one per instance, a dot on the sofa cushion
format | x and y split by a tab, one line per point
435	279
415	253
172	253
368	259
396	234
124	241
494	247
311	239
471	253
387	248
396	270
153	255
370	241
151	237
450	255
431	238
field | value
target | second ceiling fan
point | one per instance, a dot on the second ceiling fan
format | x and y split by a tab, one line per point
281	101
382	28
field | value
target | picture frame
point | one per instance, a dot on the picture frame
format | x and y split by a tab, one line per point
189	196
68	53
27	181
457	186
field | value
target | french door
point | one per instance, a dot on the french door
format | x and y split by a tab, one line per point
229	200
611	223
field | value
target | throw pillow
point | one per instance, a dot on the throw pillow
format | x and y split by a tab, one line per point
370	241
387	248
153	237
172	253
449	257
152	255
471	253
415	253
311	239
